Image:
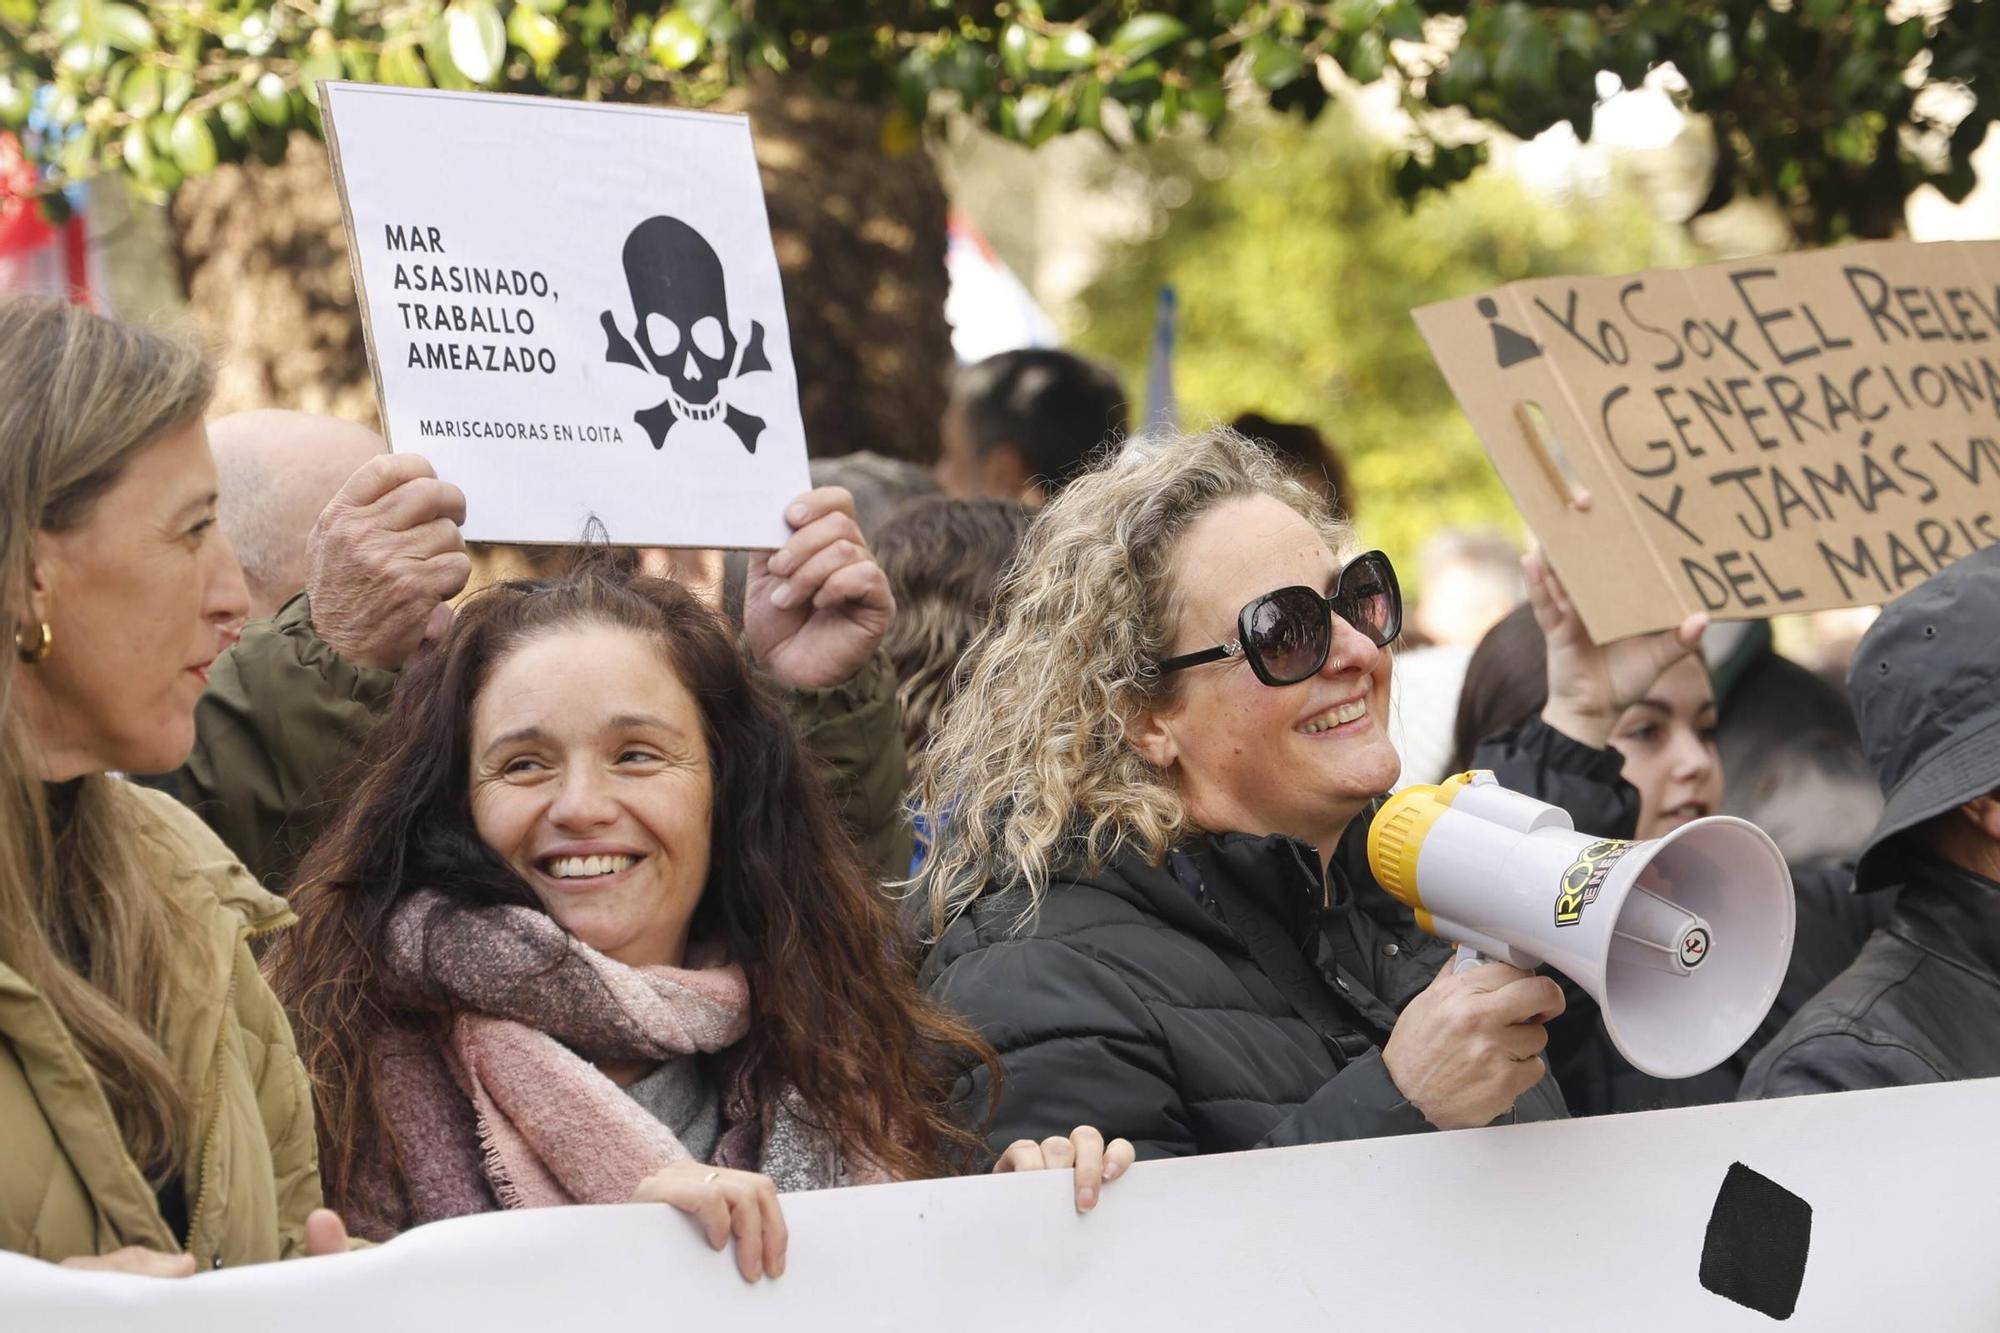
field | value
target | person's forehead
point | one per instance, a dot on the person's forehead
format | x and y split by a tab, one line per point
576	680
1245	548
1684	685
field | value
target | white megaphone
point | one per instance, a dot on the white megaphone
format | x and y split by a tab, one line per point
1681	940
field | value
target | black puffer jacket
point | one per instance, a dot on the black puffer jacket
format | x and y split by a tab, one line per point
1231	998
1920	1005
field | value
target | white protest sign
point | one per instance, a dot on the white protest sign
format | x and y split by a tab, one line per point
574	311
1875	1208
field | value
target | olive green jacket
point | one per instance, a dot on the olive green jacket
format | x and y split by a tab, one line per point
67	1185
284	715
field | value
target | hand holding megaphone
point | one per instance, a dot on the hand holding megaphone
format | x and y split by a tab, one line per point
1682	940
1470	1044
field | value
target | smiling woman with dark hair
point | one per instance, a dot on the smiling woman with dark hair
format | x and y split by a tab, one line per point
589	931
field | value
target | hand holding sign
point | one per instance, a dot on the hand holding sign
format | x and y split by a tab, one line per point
1589	685
816	609
383	560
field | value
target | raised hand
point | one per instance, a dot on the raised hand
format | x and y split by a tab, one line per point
815	609
1591	684
384	559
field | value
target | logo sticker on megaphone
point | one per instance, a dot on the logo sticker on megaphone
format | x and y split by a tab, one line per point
1683	940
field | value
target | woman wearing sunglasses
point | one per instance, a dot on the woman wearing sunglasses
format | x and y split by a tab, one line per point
1152	891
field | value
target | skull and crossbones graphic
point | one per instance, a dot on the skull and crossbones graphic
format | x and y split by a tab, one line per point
682	331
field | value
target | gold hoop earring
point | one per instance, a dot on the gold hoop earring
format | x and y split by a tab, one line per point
38	651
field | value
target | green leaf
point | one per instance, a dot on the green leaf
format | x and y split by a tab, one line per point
193	144
1090	105
83	58
315	68
1366	58
78	157
1034	122
176	86
1015	39
269	101
477	37
237	120
1275	62
137	151
1144	34
536	33
1351	16
1721	57
1526	64
677	41
140	94
64	18
1580	34
126	28
1074	50
1210	102
718	18
403	65
14	103
1403	21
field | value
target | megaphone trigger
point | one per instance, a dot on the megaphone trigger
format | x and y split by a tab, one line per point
1682	940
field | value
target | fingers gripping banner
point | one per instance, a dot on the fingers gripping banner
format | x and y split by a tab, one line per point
1850	1211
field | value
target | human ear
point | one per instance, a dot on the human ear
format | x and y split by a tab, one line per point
1984	812
1151	737
1004	472
37	596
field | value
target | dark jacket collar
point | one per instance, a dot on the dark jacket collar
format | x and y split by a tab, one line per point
1949	911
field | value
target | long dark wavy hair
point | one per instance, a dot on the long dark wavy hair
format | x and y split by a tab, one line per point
835	1009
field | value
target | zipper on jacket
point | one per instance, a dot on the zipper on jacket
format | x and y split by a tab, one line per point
206	1178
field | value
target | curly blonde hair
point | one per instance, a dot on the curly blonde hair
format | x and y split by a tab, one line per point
1030	763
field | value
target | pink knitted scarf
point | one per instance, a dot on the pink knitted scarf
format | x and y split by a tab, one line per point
532	1009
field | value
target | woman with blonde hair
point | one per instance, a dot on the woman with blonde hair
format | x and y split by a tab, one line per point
155	1117
1151	883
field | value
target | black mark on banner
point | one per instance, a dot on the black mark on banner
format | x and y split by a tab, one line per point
1759	1234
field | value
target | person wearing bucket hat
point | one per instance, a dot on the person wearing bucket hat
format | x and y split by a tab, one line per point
1922	1002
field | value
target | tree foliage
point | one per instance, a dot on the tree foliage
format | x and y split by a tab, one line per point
1296	270
1819	102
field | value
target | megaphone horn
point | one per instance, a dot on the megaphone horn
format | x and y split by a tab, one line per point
1682	940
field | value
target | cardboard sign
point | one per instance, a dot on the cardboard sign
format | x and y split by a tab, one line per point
574	311
1864	1210
1768	435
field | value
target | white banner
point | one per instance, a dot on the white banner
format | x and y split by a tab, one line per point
574	310
1871	1210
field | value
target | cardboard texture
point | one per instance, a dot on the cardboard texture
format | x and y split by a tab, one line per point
574	311
1787	433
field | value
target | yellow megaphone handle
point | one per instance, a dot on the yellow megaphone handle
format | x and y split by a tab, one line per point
1395	839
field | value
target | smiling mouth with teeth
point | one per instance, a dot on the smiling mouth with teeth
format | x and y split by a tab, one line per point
1334	717
586	867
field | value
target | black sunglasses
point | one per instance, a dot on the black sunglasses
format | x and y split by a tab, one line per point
1286	635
